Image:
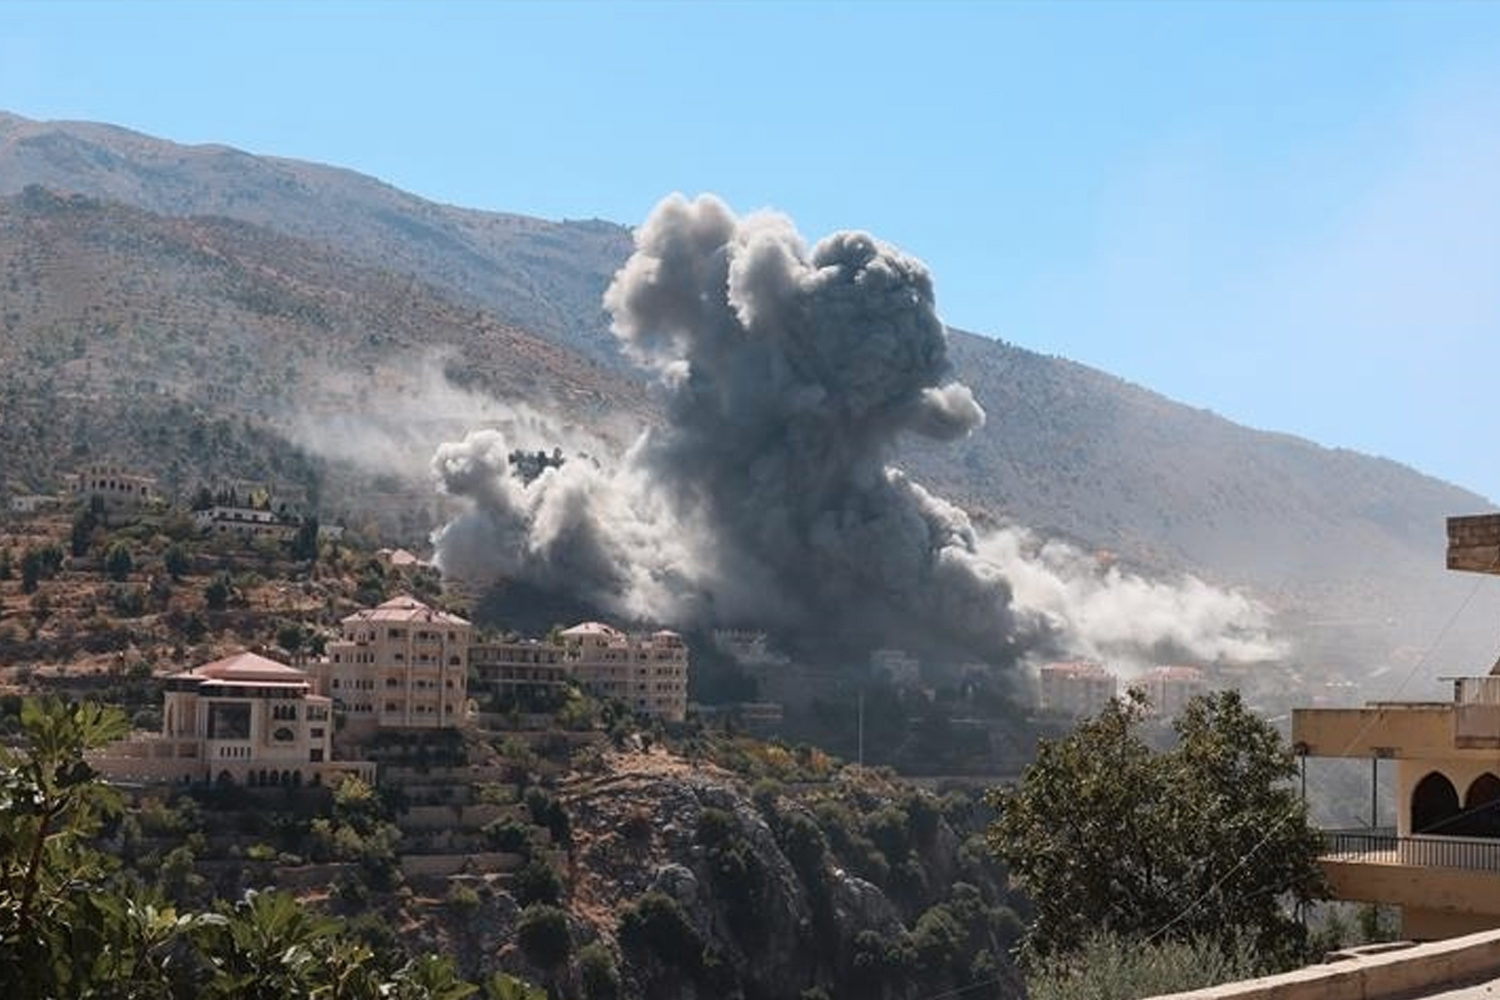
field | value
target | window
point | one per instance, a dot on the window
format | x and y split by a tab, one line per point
315	754
283	734
317	732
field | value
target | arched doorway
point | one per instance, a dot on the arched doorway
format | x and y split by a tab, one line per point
1481	808
225	778
1434	804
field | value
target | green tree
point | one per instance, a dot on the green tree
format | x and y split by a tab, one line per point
542	932
175	561
216	594
118	562
51	921
81	535
305	541
1206	841
31	571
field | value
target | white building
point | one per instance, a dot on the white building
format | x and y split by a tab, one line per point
1078	689
244	522
648	673
242	720
401	665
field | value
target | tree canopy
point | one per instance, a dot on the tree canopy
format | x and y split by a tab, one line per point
1205	841
74	924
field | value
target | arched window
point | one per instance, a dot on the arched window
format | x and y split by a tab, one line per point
1482	808
1434	805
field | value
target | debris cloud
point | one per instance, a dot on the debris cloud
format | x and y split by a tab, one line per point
765	498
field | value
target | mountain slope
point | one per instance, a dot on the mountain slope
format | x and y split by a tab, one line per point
168	343
545	276
1347	546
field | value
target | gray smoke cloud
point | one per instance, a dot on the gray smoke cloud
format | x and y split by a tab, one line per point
789	373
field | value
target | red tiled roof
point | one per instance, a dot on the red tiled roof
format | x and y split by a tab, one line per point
244	668
405	609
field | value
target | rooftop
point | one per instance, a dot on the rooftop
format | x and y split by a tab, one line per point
405	609
245	668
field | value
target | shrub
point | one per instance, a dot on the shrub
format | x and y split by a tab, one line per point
655	927
597	972
538	882
118	562
542	932
1114	967
463	898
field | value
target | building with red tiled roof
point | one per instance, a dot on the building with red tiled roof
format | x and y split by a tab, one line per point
1169	689
401	665
241	720
648	673
1078	688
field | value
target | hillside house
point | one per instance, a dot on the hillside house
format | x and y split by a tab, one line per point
113	486
1441	862
1169	689
526	671
648	673
244	522
242	720
1077	689
402	665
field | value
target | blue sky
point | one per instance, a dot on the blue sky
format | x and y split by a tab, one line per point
1287	213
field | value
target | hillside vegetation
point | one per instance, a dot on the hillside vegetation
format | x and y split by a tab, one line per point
114	316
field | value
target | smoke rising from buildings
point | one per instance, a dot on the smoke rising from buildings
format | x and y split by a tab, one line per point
789	373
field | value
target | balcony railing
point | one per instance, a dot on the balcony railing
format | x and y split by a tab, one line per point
1381	846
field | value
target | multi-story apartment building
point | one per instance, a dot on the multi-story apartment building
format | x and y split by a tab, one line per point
401	665
242	720
649	673
1440	863
1078	689
521	670
1169	689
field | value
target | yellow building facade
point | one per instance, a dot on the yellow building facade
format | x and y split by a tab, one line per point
1441	862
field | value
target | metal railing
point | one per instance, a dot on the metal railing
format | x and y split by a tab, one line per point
1381	846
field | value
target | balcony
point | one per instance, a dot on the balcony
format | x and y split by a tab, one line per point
1380	845
1456	876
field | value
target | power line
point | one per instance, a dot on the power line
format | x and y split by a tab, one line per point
1244	859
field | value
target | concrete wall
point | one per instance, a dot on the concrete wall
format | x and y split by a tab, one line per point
1455	891
416	865
470	817
1412	971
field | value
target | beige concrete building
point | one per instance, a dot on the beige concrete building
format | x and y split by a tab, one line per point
648	673
1078	689
401	665
1441	861
242	720
518	670
113	485
1169	689
244	522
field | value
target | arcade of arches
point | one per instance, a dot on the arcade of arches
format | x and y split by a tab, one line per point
1437	809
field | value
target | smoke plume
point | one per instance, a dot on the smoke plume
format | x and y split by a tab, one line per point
789	373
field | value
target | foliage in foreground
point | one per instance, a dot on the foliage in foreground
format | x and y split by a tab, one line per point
1204	842
1110	967
72	925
